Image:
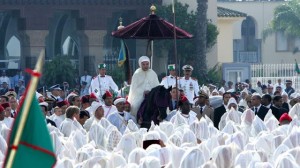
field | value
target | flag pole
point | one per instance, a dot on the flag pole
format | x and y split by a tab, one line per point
175	50
27	102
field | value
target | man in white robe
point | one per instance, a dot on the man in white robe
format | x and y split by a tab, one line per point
70	123
184	113
57	116
108	106
143	80
119	118
98	113
7	120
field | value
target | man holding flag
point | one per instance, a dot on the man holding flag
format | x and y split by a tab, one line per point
29	143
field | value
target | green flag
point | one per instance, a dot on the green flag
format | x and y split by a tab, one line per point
29	143
297	67
35	147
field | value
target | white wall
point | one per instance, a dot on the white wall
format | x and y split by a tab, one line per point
262	13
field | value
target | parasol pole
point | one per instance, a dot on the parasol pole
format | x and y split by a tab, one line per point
152	53
175	50
152	12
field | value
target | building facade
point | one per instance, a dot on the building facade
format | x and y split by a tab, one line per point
249	45
80	29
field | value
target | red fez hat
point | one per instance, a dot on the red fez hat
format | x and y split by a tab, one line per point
93	96
127	102
85	99
285	117
62	103
183	99
107	94
5	105
1	108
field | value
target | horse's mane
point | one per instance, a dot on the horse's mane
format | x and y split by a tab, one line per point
151	97
154	98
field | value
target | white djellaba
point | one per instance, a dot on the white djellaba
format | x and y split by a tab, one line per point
141	81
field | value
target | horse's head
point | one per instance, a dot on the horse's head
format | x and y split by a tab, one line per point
162	99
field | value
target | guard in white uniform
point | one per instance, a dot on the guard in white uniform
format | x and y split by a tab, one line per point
102	83
188	84
170	81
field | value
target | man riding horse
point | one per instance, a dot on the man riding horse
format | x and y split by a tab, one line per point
143	80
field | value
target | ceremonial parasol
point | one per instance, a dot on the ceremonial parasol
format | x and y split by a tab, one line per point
152	28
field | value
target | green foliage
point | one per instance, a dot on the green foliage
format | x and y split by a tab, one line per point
286	19
211	36
59	70
118	74
214	75
187	21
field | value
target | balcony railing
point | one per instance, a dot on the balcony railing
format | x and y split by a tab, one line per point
246	54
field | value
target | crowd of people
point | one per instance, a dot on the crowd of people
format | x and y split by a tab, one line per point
241	126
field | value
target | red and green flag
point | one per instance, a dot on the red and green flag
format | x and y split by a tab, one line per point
30	144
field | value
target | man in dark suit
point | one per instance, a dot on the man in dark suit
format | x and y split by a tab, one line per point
202	107
219	111
276	107
258	108
266	100
173	101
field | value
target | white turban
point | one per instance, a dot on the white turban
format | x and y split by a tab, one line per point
94	106
118	100
232	100
142	59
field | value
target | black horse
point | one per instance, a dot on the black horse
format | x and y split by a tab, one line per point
154	106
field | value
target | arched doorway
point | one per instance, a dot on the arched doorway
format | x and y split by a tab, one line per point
13	53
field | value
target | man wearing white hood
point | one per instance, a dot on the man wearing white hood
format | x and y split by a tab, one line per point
143	80
98	113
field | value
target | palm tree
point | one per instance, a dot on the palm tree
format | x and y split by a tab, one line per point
286	19
201	32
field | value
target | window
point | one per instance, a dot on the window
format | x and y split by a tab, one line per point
13	47
69	48
13	52
248	34
281	41
286	43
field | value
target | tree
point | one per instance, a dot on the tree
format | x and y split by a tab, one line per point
59	70
286	19
186	48
201	38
